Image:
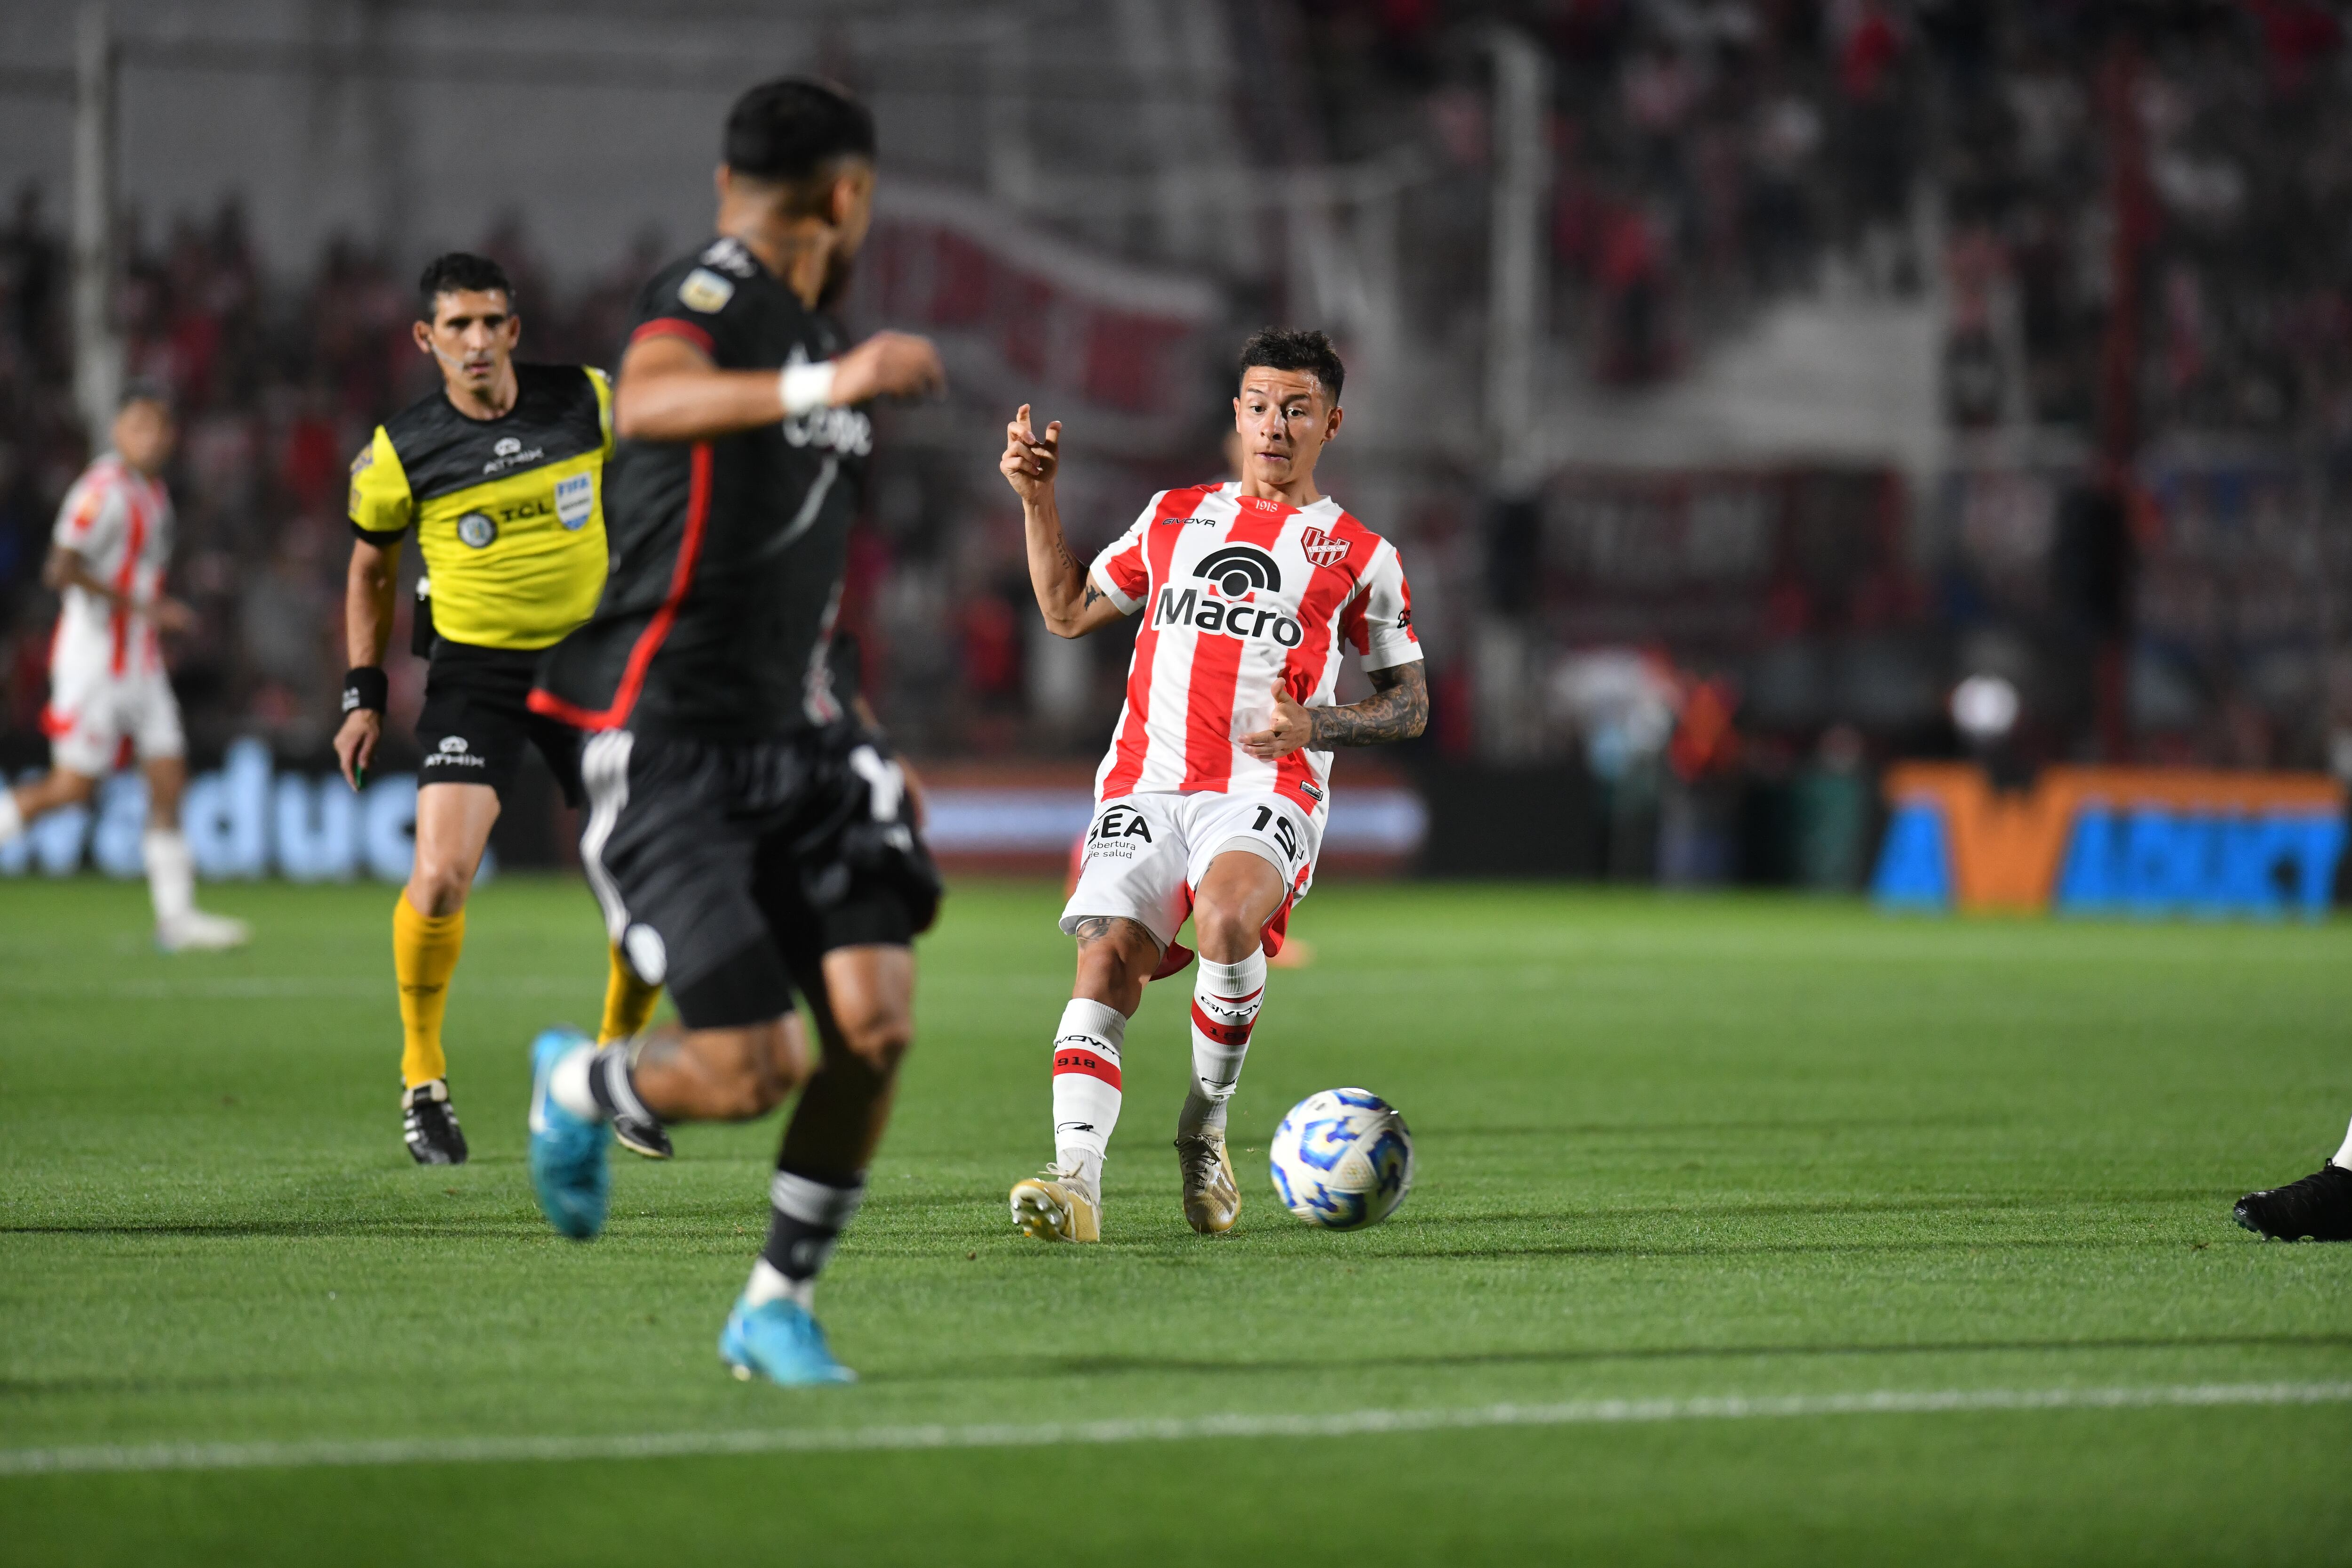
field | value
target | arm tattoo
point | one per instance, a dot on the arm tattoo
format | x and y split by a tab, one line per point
1398	709
1093	593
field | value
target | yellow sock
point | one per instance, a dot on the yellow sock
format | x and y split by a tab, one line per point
424	955
628	1002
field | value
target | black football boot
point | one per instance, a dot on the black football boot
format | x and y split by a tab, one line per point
2318	1207
429	1124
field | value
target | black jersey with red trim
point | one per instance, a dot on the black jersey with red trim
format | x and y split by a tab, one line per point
726	554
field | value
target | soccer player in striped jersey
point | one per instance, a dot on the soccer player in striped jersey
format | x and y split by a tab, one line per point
108	691
1212	798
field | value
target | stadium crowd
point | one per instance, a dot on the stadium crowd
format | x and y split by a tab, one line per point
1708	159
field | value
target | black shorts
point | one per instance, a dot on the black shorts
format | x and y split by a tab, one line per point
477	719
726	869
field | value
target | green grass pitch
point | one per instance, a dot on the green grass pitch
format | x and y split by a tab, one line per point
1672	1150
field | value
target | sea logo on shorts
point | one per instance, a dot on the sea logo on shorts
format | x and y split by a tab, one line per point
705	290
1324	549
476	529
575	498
452	745
1111	831
1238	569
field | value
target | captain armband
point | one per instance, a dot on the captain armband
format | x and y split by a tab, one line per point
805	389
365	687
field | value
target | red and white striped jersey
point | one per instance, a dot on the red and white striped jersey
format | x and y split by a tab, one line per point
1241	595
119	522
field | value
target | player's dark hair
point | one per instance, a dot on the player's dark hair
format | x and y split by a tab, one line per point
796	131
460	270
1279	348
144	391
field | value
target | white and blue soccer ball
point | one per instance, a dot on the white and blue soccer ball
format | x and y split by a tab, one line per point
1342	1159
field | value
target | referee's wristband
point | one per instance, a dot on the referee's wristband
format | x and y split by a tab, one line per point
365	687
805	387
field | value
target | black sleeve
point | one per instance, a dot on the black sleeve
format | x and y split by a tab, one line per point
706	300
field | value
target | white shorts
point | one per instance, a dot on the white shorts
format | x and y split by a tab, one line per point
91	710
1145	852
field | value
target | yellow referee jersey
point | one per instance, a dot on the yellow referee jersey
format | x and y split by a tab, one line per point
510	512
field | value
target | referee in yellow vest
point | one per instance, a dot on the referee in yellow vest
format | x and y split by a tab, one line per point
500	474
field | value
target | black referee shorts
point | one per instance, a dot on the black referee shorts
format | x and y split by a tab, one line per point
476	720
726	869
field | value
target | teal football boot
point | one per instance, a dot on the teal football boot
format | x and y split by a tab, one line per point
779	1341
568	1172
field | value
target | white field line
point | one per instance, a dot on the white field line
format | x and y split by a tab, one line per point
1174	1429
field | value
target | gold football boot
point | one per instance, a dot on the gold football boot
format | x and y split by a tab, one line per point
1052	1206
1211	1200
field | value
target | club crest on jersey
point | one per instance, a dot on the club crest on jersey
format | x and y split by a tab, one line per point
1323	549
1239	569
476	530
705	290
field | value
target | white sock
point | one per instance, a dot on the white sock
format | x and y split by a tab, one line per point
1086	1088
12	816
2344	1155
769	1284
170	874
1225	1000
567	1084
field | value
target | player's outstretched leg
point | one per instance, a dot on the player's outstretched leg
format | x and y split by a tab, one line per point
628	1008
1226	1002
1063	1201
568	1170
1240	892
1115	956
863	1000
2318	1207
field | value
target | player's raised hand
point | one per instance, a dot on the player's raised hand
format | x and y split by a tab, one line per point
1292	727
356	744
1030	458
887	364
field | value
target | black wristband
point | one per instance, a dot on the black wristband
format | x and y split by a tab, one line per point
365	687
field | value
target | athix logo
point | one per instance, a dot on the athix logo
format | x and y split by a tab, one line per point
1323	549
509	453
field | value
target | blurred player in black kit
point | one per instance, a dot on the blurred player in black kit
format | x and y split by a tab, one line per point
744	833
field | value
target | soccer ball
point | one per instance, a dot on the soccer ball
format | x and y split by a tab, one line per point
1342	1159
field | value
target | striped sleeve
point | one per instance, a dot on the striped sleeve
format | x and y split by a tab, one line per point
1377	622
90	508
1121	571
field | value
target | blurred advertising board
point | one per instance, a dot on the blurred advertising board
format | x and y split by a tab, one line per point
244	820
2139	841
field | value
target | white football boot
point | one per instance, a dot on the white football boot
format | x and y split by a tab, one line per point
1212	1200
196	931
1053	1205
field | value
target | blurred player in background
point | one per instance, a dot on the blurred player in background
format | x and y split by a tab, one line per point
108	692
500	472
744	833
1212	798
2318	1207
